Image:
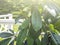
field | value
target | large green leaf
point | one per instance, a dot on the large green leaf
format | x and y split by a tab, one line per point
36	19
5	34
21	37
5	41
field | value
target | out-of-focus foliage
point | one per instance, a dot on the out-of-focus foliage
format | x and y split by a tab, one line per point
22	7
41	25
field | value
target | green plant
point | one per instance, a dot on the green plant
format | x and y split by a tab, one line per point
40	28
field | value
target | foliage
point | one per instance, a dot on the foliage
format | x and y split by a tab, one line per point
41	25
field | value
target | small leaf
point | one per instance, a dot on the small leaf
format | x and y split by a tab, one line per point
36	19
5	34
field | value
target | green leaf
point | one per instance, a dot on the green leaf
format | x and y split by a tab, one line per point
21	37
52	42
30	40
5	41
36	19
38	42
44	40
57	25
24	24
55	38
33	34
5	34
52	28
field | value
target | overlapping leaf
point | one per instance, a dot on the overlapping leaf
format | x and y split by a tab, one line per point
5	42
24	24
55	38
30	41
21	37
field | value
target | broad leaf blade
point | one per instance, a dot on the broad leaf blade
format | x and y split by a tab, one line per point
36	19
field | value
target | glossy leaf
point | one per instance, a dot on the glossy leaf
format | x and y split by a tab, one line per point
36	19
